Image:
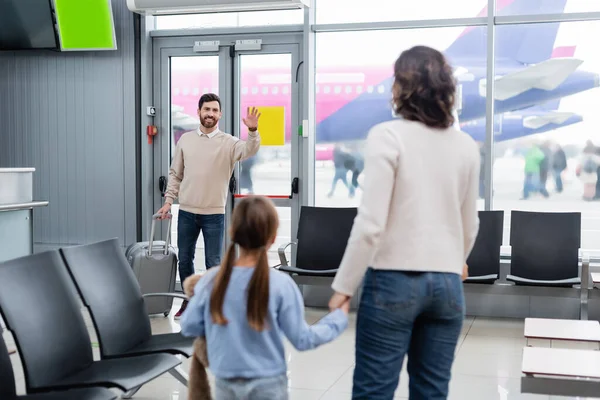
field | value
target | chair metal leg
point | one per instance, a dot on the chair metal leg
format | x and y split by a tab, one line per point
585	287
180	375
131	393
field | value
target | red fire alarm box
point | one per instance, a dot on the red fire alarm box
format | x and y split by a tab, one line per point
151	131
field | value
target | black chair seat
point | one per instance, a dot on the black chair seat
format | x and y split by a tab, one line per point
75	394
545	248
52	338
125	333
124	373
173	343
8	390
327	273
323	234
484	259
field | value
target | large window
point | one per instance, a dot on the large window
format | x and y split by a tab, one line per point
546	128
230	19
343	11
353	93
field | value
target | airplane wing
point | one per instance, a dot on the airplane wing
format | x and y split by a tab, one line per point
183	121
547	75
552	117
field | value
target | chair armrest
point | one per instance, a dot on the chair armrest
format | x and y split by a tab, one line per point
481	278
174	295
308	272
560	282
586	273
281	252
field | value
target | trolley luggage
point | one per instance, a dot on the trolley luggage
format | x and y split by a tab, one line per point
154	264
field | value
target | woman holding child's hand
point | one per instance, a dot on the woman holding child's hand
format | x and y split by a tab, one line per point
415	228
338	301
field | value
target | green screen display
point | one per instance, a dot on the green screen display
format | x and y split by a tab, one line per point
85	24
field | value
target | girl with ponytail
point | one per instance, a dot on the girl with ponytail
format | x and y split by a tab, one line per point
244	308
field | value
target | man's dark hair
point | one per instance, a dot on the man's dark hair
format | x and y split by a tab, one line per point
207	98
424	87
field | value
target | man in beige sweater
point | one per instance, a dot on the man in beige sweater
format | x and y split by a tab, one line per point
199	176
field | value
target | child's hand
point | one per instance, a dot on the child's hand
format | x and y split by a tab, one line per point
465	273
337	300
189	284
345	307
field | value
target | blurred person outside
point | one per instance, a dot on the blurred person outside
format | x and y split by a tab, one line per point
588	171
559	166
533	166
340	159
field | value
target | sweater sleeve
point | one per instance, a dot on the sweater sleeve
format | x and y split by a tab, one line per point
290	317
175	175
381	162
244	149
469	212
192	321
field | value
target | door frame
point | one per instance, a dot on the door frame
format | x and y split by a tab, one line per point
229	64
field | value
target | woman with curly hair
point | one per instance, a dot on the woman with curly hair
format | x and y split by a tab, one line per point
415	228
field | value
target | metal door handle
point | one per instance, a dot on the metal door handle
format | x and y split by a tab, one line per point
232	185
162	185
295	187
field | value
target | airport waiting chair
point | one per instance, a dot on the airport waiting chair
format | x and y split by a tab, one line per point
323	234
484	260
8	391
545	248
110	291
40	308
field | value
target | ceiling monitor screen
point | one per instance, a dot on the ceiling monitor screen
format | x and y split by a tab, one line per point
85	25
27	24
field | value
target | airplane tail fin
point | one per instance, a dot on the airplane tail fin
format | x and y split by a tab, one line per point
528	43
563	51
529	7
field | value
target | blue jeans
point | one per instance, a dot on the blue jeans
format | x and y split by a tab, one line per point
341	174
418	314
189	227
533	184
558	180
274	388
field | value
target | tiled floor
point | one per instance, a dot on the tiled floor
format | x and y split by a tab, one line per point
487	365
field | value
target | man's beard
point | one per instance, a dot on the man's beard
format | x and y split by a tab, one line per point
208	122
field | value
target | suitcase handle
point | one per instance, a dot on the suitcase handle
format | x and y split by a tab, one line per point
153	229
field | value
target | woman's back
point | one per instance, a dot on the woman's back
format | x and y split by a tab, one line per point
434	173
419	202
